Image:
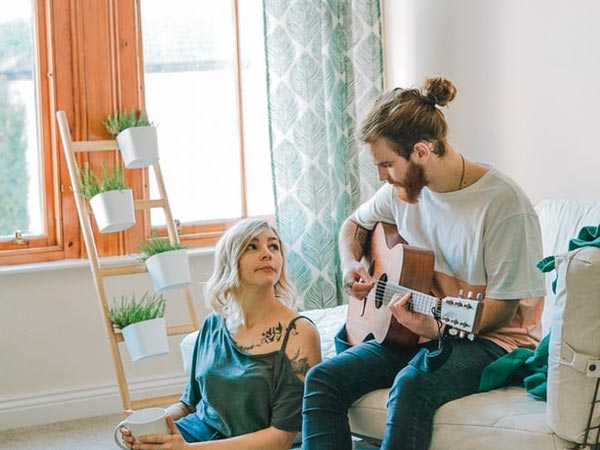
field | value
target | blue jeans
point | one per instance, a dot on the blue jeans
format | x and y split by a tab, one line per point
417	389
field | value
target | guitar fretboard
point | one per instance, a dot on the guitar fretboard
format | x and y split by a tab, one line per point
419	302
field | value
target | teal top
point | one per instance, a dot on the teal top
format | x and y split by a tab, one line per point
235	392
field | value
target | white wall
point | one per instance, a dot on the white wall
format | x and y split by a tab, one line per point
55	360
527	76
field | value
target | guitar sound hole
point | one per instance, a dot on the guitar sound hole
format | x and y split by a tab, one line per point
380	290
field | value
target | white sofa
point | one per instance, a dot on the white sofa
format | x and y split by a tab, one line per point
508	418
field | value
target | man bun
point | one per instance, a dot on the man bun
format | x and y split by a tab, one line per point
439	91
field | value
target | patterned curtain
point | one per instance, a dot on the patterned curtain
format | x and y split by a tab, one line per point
324	67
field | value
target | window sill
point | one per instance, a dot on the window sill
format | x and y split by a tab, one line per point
67	264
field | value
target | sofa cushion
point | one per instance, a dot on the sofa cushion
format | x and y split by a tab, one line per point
328	322
496	420
574	342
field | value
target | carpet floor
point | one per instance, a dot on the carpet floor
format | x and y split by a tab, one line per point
83	434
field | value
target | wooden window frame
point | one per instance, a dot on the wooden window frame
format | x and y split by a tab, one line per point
88	88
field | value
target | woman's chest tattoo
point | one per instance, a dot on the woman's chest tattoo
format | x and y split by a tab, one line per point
270	335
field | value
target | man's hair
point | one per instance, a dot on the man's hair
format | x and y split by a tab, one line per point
221	288
404	117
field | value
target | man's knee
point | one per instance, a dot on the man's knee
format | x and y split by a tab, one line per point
409	384
320	377
322	384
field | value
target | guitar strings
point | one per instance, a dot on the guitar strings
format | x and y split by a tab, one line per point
421	301
391	289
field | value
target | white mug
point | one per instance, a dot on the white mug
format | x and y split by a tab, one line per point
143	422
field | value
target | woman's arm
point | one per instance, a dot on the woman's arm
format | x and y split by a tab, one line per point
179	410
266	439
304	347
175	411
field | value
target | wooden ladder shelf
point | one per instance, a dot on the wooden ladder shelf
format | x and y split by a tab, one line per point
102	270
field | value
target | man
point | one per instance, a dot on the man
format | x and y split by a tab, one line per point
485	237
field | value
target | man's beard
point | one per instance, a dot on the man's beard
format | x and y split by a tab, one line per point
413	183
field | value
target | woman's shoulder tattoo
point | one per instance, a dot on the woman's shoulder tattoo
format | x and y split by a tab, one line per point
270	335
299	364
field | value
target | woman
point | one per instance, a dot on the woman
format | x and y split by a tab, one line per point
251	356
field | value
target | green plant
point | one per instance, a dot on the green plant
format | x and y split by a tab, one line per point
121	120
112	180
156	245
129	310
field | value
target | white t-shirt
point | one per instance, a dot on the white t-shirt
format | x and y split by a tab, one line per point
486	236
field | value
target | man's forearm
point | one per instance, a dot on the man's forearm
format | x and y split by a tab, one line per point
496	313
352	241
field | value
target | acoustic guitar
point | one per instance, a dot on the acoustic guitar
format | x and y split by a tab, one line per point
399	268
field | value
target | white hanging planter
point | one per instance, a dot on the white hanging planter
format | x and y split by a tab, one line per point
138	146
169	270
113	210
146	339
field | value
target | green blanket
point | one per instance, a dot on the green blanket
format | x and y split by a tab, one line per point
520	367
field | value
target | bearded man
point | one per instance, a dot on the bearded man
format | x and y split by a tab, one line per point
485	238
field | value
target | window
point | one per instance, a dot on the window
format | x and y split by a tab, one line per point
27	228
20	208
199	66
197	74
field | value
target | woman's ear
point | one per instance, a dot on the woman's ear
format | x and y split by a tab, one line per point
422	150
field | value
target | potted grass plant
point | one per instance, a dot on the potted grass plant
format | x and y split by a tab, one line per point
136	137
110	198
142	323
168	264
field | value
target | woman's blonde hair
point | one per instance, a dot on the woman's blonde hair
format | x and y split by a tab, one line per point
222	288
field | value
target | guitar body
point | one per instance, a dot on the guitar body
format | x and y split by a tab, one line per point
389	258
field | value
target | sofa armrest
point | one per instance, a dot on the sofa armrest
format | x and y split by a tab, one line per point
574	342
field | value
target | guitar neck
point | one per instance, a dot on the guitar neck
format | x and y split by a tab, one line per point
419	302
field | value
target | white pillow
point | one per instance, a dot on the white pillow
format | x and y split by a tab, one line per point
328	321
575	344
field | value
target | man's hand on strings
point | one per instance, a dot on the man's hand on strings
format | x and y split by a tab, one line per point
420	324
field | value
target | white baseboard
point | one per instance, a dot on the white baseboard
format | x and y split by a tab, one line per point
70	404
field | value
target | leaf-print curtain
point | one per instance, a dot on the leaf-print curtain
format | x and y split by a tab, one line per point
324	67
